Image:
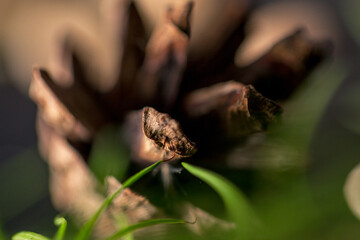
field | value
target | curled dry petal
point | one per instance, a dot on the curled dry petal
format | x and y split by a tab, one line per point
236	108
166	132
154	136
250	112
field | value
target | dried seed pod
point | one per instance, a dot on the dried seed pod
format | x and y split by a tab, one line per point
166	133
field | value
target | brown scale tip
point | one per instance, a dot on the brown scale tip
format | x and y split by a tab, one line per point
180	16
166	133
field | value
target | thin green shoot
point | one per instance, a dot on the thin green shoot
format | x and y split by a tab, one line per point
62	223
85	231
238	209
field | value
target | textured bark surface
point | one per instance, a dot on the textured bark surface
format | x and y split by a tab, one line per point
166	133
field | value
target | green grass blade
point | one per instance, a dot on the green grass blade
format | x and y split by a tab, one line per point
140	174
29	236
62	223
143	224
121	221
85	231
235	202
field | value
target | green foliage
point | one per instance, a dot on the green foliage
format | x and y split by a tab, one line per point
85	231
143	224
238	209
59	221
29	236
62	223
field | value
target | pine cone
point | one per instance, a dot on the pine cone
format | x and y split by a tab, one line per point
173	103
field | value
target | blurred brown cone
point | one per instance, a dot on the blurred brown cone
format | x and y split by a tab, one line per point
77	101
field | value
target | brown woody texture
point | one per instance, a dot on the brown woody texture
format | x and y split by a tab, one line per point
171	102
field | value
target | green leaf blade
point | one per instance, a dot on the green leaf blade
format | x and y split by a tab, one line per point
140	174
238	209
29	236
85	231
143	224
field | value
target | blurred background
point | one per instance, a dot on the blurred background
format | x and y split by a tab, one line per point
315	147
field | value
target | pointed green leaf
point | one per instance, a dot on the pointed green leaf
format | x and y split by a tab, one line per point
235	202
85	231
